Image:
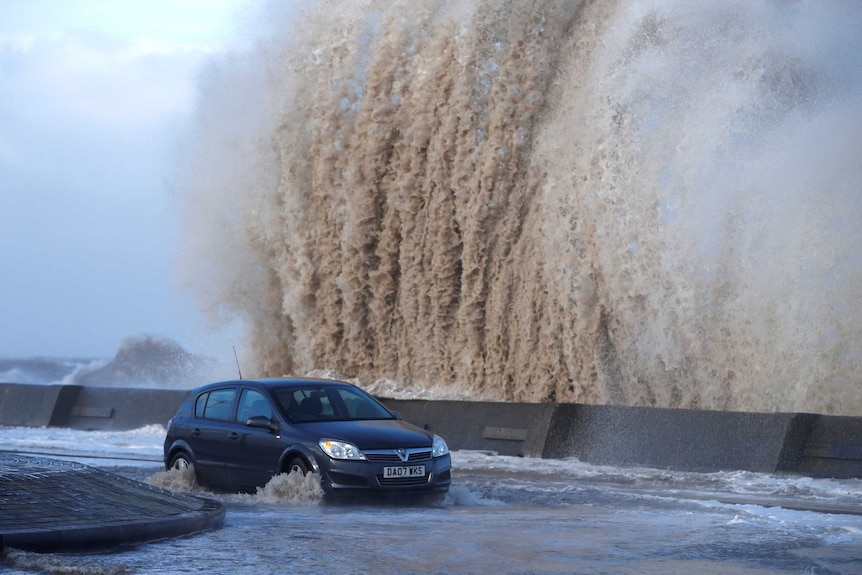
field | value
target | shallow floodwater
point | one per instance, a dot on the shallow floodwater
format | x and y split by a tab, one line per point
503	515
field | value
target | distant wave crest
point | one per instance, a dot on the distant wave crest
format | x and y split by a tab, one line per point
141	361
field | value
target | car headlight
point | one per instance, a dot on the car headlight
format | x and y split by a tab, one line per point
340	450
439	447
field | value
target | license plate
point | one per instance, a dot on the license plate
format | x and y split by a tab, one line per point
404	471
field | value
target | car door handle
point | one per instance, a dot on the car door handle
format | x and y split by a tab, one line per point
234	435
196	432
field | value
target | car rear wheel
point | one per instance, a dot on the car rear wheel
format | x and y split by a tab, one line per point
297	465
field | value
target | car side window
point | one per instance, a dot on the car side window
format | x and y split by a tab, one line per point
251	403
308	405
218	404
201	404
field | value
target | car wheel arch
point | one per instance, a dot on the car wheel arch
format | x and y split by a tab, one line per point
180	447
298	451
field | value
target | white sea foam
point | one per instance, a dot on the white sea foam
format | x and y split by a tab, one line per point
141	446
286	488
464	495
180	480
721	484
61	565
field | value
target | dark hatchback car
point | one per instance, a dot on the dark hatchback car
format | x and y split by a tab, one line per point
237	435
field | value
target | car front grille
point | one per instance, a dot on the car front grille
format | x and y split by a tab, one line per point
403	481
392	456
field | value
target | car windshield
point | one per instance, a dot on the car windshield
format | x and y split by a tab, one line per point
328	403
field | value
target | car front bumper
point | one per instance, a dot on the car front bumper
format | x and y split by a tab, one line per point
342	477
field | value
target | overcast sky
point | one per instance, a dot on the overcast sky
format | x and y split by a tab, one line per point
92	94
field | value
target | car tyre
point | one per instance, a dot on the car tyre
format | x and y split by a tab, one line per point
297	465
181	461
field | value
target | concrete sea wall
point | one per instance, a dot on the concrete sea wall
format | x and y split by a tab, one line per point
689	440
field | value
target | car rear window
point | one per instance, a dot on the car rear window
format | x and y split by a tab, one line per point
215	404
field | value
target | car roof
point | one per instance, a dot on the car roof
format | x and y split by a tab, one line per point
279	382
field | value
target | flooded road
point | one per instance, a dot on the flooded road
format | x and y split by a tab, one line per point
503	515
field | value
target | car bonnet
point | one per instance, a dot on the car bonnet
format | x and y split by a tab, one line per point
371	434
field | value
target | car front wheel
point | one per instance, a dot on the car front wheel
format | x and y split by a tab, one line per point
297	465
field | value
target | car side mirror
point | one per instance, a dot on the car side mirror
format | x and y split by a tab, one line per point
262	422
397	414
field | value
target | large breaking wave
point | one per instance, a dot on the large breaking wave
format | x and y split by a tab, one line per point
633	202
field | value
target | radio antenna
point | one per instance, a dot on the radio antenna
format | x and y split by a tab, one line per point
237	362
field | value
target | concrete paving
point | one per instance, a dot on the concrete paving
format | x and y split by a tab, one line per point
48	505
